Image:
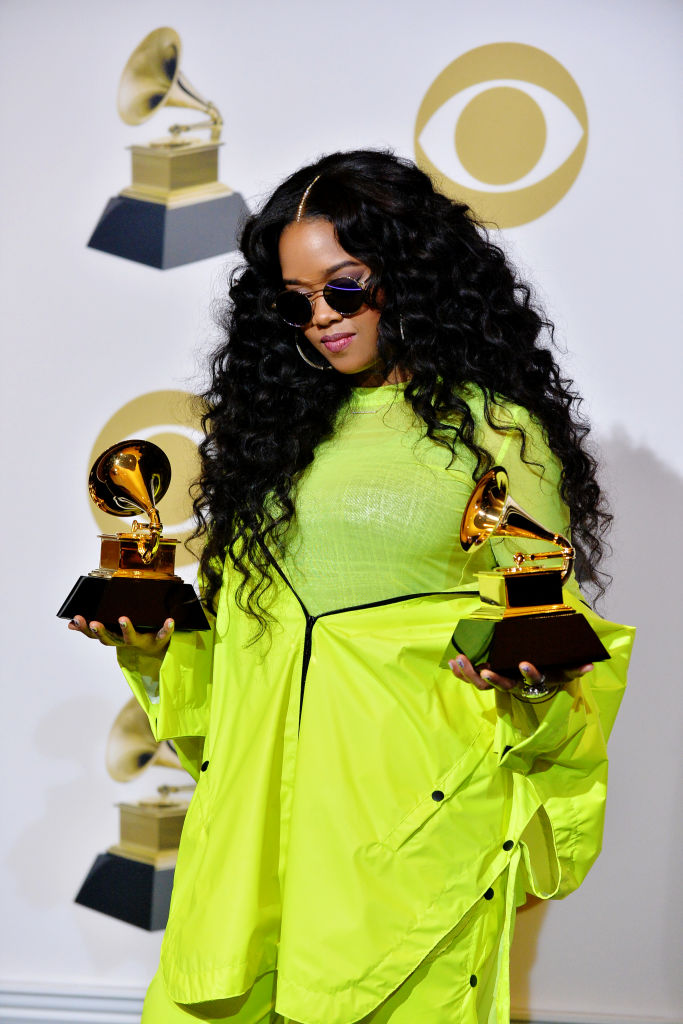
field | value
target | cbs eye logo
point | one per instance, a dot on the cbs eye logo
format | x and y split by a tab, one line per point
504	129
171	420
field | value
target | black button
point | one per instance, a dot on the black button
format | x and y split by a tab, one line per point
437	795
508	844
473	980
205	766
488	895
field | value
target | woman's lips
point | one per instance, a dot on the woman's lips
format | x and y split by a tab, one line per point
337	342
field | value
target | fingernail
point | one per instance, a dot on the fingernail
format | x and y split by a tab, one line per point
486	676
589	668
72	622
461	662
451	665
122	623
525	667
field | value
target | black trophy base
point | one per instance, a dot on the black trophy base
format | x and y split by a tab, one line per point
139	894
549	641
147	603
163	236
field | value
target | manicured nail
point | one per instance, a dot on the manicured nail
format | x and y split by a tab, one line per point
461	662
525	668
93	627
122	623
486	676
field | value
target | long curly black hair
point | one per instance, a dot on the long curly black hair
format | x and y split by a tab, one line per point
466	318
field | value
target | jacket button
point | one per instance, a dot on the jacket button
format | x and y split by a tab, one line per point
488	895
473	980
437	795
508	844
204	766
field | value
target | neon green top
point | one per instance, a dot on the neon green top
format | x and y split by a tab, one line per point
378	511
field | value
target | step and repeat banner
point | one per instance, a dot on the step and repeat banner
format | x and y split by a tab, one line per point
559	125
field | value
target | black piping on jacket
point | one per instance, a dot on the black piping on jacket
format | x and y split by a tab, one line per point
312	619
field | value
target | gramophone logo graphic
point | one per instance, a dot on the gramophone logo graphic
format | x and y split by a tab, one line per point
175	211
133	879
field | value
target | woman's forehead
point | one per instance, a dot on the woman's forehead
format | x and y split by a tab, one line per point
309	252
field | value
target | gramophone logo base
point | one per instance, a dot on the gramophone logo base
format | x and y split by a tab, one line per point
129	890
176	174
169	236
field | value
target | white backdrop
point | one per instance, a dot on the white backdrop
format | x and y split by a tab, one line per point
85	333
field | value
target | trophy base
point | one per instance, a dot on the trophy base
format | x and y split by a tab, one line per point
552	640
162	236
129	890
147	603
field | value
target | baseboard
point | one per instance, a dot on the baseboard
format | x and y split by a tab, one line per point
547	1017
61	1004
57	1004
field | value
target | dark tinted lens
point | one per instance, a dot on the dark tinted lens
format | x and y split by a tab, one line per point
344	294
294	308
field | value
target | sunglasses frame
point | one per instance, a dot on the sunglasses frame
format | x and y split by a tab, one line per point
327	292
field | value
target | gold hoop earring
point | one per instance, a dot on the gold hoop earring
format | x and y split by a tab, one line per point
316	366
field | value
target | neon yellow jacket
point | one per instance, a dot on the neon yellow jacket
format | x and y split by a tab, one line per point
339	837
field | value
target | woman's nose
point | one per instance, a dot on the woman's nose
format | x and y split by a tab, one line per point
323	314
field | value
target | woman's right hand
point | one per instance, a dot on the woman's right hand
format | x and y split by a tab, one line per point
152	644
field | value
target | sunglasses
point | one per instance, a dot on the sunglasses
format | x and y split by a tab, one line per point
344	295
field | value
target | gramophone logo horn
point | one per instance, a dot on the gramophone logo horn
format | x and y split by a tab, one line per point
152	79
131	747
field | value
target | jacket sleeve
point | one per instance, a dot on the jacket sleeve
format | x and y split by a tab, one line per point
556	749
176	693
559	746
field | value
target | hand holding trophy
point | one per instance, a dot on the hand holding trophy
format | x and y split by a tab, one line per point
523	615
136	576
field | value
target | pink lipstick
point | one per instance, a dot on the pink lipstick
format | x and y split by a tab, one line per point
337	342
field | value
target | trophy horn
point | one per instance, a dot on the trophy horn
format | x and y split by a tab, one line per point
131	747
491	512
152	79
131	476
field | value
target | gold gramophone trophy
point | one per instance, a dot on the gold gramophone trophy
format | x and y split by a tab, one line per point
136	576
132	880
523	616
175	211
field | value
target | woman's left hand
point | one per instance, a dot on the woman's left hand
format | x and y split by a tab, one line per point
484	678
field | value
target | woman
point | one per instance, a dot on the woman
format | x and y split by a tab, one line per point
364	823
